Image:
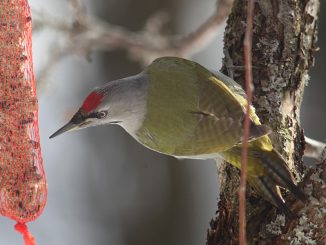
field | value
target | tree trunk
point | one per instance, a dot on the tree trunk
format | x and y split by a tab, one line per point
284	37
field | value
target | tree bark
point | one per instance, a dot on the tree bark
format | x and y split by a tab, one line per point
284	39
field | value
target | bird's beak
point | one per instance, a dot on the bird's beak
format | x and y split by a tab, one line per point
68	127
77	122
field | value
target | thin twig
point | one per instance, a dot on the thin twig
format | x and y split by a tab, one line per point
244	154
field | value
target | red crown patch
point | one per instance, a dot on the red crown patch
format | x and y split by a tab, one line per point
92	101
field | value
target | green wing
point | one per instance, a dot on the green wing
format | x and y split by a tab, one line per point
190	111
263	142
231	84
218	114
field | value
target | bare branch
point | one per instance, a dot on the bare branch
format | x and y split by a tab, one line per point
314	149
79	11
196	40
87	33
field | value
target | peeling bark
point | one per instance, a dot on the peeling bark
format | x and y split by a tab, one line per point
284	38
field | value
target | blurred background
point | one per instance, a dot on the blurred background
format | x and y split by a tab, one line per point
105	188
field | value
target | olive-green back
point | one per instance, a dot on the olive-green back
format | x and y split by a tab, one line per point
189	111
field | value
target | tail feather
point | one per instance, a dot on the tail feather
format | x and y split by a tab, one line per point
281	174
273	193
267	172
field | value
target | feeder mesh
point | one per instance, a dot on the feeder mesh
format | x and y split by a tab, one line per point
23	189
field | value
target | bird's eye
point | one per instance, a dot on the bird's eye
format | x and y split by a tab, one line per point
101	114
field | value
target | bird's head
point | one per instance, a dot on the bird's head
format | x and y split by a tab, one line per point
94	111
122	102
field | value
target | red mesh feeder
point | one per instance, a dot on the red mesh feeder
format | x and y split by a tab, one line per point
23	189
